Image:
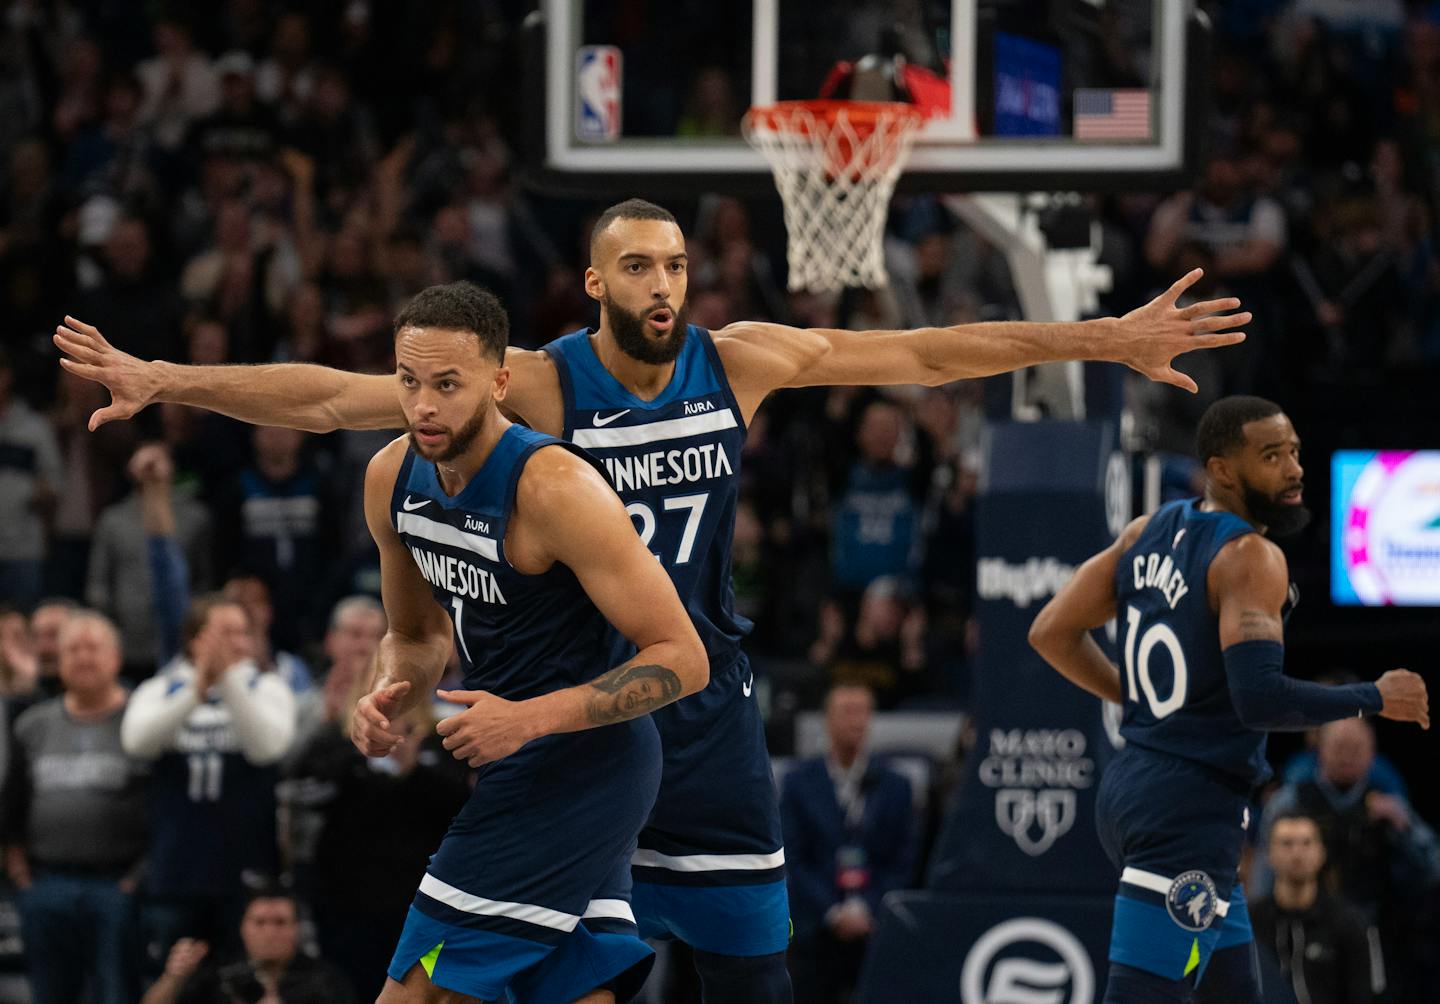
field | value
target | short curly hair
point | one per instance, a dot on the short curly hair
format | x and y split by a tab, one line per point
1222	427
459	306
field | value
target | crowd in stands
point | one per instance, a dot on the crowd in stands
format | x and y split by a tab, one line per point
186	604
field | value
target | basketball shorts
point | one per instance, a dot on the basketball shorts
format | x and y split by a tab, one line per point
529	892
1175	830
710	866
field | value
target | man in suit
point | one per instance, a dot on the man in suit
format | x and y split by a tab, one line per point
848	822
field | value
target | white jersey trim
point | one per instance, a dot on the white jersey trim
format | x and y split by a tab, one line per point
654	432
466	903
643	858
1159	883
443	533
608	909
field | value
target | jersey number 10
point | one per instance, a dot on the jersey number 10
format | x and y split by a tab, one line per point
1156	634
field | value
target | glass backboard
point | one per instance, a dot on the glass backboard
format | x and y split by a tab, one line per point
1039	95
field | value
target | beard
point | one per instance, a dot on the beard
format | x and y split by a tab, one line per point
1280	519
459	441
629	331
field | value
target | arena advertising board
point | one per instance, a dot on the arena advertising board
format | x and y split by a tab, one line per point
1385	528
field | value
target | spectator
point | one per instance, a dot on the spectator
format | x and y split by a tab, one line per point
269	965
357	623
876	520
75	827
31	653
141	306
1245	233
215	727
241	129
29	483
277	531
882	650
848	823
122	578
358	924
286	77
180	85
250	592
1321	944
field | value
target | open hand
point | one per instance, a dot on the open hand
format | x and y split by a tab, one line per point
489	729
1150	337
132	383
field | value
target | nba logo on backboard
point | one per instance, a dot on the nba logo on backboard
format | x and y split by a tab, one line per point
597	94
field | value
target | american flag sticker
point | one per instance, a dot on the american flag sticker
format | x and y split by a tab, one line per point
597	94
1108	114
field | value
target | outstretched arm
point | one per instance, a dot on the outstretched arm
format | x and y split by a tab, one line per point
760	358
1061	631
572	516
1248	581
292	395
289	395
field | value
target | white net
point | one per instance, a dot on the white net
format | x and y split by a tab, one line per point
836	164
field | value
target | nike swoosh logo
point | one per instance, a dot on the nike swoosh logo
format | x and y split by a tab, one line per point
748	684
607	420
411	508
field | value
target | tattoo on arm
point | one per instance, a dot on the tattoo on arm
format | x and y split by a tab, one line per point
629	692
1260	625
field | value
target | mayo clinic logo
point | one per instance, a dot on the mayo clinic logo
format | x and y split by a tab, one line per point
1036	774
1027	960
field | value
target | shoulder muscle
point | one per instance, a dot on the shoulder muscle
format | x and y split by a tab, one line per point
533	394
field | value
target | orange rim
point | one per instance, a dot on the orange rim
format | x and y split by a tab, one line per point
784	116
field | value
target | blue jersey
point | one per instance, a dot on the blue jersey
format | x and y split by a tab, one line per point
1177	697
676	463
517	635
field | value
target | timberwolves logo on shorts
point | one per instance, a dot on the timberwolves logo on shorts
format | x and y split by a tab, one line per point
1192	901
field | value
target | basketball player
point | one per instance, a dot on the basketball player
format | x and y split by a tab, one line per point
511	543
1200	594
665	406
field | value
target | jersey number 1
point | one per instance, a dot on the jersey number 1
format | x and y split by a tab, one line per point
1156	634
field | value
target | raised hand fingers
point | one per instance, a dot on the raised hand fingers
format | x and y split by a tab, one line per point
1180	285
78	347
1209	307
86	329
1176	379
1194	343
1221	322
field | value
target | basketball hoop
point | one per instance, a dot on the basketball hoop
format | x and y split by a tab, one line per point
836	164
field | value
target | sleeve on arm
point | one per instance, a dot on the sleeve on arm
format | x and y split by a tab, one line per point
262	711
1268	700
155	714
169	579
